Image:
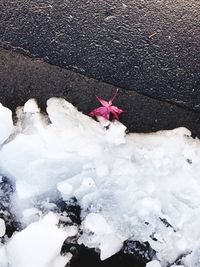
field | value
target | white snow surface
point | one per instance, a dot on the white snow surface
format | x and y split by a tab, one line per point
37	245
2	227
153	263
103	236
6	123
143	187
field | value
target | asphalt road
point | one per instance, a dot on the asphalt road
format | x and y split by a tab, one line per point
152	47
22	78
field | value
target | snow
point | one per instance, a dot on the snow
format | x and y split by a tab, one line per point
61	261
143	187
154	263
102	235
2	227
3	257
31	106
6	123
39	244
30	215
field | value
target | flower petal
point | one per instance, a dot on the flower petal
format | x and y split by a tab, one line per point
116	109
102	111
103	102
115	115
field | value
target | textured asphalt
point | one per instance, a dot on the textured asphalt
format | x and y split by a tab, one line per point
22	78
151	47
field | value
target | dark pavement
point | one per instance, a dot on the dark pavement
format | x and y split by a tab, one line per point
22	78
152	47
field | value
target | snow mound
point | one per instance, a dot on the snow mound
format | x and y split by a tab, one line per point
139	187
39	244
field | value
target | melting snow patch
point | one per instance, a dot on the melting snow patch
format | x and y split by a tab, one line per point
136	187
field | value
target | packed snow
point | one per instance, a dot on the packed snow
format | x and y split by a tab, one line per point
39	244
143	187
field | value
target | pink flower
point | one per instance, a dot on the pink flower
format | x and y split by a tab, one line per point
106	109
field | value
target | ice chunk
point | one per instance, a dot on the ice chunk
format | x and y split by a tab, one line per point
6	123
97	224
154	263
30	215
3	257
65	189
109	245
192	258
64	115
30	212
87	185
31	106
103	236
37	245
2	227
61	261
116	133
